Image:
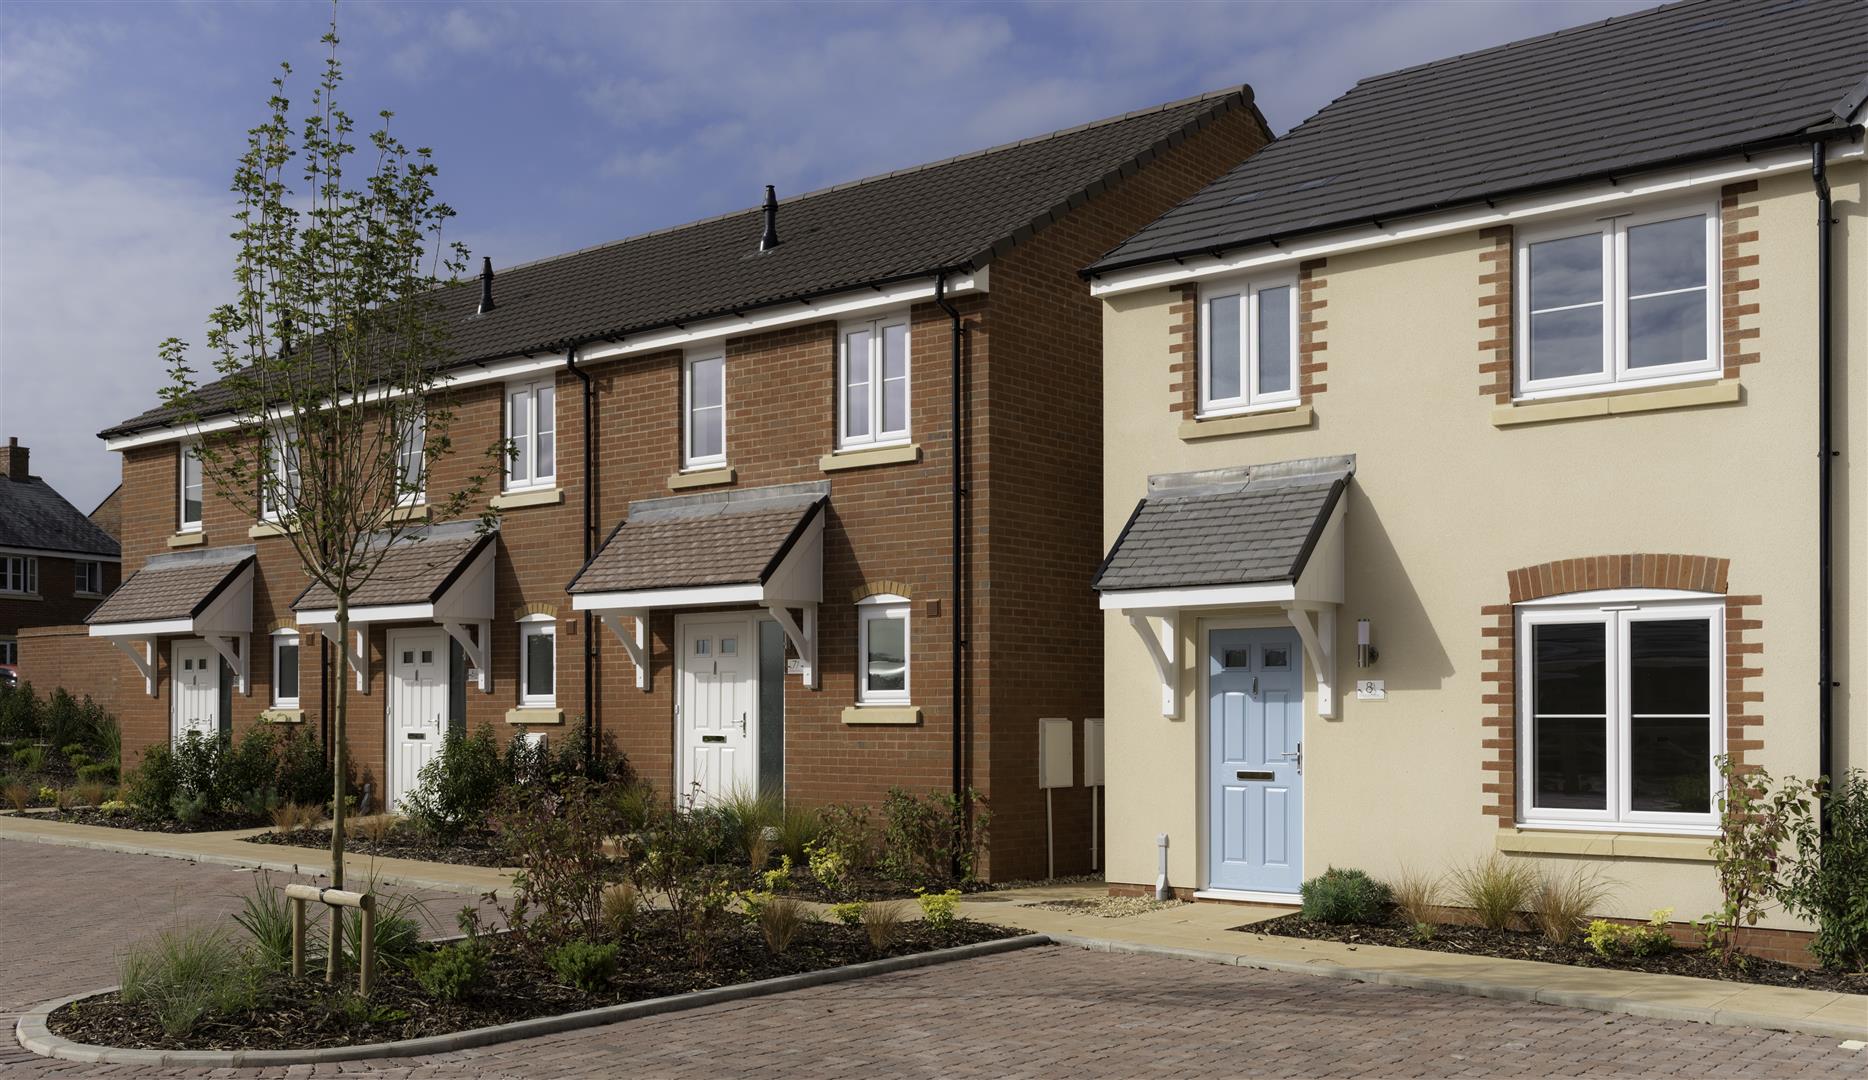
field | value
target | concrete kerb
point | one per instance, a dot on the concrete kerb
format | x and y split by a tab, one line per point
34	1032
1503	991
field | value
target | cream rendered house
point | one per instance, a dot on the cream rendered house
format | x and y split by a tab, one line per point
1462	490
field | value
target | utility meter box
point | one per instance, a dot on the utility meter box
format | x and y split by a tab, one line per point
1056	764
1093	752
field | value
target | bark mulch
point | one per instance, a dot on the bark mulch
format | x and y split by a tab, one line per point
652	962
1519	945
403	842
86	815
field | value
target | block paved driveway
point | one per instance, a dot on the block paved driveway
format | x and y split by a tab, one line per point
1043	1012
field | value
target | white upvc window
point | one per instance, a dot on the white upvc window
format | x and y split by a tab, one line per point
882	651
281	478
412	459
872	382
1248	345
532	425
1626	299
190	499
9	651
87	577
1621	711
538	661
285	669
19	574
703	410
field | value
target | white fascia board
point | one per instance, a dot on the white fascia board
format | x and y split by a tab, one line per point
55	553
1158	601
630	602
155	628
1464	219
377	614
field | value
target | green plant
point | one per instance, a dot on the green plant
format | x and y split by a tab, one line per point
671	861
19	712
46	793
266	915
748	816
621	904
933	839
1754	823
1495	888
189	808
1343	896
1614	940
450	972
77	760
289	817
114	806
938	910
1416	896
397	933
1421	933
151	787
778	879
556	838
1562	900
847	840
89	793
1826	881
827	866
797	827
376	828
245	772
198	763
849	913
455	791
107	737
65	798
29	758
64	723
187	975
260	802
883	924
97	772
781	920
585	965
301	771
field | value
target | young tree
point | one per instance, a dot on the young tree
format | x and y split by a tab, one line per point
324	415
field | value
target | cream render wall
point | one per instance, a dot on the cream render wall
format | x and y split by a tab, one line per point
1444	504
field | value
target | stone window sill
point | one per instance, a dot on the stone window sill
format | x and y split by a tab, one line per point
1622	403
89	595
266	528
513	500
875	455
701	479
1298	416
1607	845
534	715
193	538
21	596
411	512
882	714
283	716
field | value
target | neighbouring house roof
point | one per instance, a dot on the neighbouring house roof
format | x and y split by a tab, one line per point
179	585
949	215
1248	526
687	541
108	515
35	517
1673	84
419	566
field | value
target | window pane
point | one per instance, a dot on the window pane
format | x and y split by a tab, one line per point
856	384
1667	255
546	448
1569	673
1670	764
887	667
709	382
1571	763
1222	364
1274	340
1669	329
895	378
1566	272
519	419
285	680
895	351
1567	342
1670	666
706	433
538	665
547	403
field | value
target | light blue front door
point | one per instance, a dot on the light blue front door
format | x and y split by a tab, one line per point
1255	780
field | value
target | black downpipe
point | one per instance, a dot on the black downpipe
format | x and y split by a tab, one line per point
957	333
590	523
1826	454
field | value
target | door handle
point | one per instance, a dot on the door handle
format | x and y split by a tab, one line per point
1254	686
742	725
1296	755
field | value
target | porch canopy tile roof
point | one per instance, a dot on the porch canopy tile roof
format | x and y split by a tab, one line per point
176	586
694	541
418	569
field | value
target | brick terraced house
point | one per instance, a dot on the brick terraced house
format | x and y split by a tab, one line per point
746	448
55	563
1469	452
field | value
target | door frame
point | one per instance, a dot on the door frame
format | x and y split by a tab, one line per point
751	617
390	634
214	665
1203	704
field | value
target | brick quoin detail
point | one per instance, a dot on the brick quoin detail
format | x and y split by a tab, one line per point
1738	275
1310	343
1184	352
1744	652
1495	314
1184	341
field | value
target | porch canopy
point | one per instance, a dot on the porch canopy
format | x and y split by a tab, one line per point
760	547
437	573
1263	536
206	594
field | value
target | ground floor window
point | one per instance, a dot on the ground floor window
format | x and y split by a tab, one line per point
285	647
9	651
1620	711
882	651
538	661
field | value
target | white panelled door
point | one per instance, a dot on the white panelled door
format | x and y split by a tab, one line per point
195	689
418	705
715	705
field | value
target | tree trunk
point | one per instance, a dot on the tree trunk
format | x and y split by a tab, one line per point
340	743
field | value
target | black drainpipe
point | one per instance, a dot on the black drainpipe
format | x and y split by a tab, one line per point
590	490
1826	454
957	332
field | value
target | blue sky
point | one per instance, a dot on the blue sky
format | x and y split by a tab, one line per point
557	126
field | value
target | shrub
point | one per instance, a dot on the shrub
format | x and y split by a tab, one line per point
1416	896
1826	881
98	772
781	920
18	795
847	841
935	838
30	759
1562	901
65	798
672	862
450	972
456	791
585	965
557	840
1343	896
938	910
1613	940
798	827
1754	823
188	975
260	802
197	765
849	914
64	723
779	879
152	786
883	923
1496	889
189	808
19	712
107	737
301	773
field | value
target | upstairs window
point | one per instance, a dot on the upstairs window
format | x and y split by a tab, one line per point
1248	345
531	424
1618	300
19	574
279	488
285	645
703	421
872	382
882	651
412	459
88	578
190	489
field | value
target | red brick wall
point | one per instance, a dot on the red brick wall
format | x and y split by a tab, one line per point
57	603
67	656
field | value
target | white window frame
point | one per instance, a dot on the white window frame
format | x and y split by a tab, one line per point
411	443
186	453
1616	610
876	436
87	576
868	610
280	639
9	651
689	461
19	575
1250	398
541	470
283	460
529	627
1615	372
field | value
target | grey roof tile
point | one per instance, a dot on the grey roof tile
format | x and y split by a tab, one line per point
1671	84
34	516
418	568
733	538
174	586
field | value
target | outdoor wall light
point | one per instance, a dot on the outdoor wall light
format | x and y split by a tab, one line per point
1366	654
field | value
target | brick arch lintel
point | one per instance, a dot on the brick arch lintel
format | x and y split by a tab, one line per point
537	607
879	588
1694	573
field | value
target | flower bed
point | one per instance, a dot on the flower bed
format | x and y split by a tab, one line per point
474	848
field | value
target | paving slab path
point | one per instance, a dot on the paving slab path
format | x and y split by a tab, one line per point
1065	1012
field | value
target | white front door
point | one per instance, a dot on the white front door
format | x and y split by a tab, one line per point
195	689
418	705
714	720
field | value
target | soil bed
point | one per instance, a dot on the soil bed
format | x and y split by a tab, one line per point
86	815
471	849
1517	945
652	962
